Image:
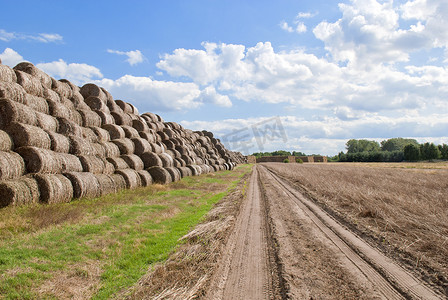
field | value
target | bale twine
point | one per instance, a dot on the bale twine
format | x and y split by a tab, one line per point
110	149
175	174
89	135
169	144
130	132
89	118
152	117
102	135
131	177
120	183
121	118
149	136
39	160
118	163
51	95
106	118
67	127
59	143
19	192
91	89
96	103
145	177
184	172
12	91
27	135
62	88
7	74
12	165
106	184
151	159
54	188
115	131
40	75
140	125
80	146
37	103
30	84
167	160
160	175
126	107
133	161
141	146
125	145
11	111
6	142
84	184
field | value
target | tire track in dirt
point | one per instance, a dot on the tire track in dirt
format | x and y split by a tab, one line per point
389	278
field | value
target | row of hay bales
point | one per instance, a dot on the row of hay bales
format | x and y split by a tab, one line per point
59	141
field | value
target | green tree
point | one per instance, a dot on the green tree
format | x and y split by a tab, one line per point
443	151
355	146
429	151
411	152
396	144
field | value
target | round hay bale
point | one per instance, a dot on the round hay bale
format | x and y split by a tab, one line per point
171	153
167	160
120	183
152	117
62	88
84	184
109	168
100	151
27	135
175	174
145	177
131	177
181	162
134	109
102	135
130	132
6	142
182	150
169	144
110	149
30	84
125	145
126	107
89	118
39	160
106	184
96	103
80	146
78	101
91	89
184	172
133	161
92	164
115	131
68	162
59	143
113	107
106	118
12	165
163	135
118	163
89	135
54	188
160	175
169	132
7	74
68	103
159	118
149	136
121	118
47	122
37	103
161	146
176	163
11	111
67	127
19	192
187	159
194	170
108	95
151	159
140	125
12	91
141	146
51	95
40	75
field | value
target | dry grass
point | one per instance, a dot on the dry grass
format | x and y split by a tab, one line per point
404	209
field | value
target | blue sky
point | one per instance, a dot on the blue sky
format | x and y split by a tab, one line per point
310	74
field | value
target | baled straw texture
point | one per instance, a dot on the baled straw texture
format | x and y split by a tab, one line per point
148	135
150	116
6	142
106	118
63	89
7	74
122	118
89	135
134	109
52	95
99	149
110	149
166	159
27	135
84	184
108	95
68	128
151	159
126	107
19	192
184	172
101	134
133	161
125	145
47	122
118	163
94	164
130	132
187	159
12	91
140	125
131	177
11	111
80	146
175	173
160	175
37	103
30	84
59	110
59	143
29	68
194	170
106	184
181	162
91	89
96	103
12	165
145	177
115	131
141	146
120	183
89	118
169	144
156	148
54	188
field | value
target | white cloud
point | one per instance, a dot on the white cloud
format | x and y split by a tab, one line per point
300	27
41	37
284	25
209	95
10	57
305	15
134	57
76	73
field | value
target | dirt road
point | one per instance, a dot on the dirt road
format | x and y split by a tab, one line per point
285	246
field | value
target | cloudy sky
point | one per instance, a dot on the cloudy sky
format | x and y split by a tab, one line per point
262	75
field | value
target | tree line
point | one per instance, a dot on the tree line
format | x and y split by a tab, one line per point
278	153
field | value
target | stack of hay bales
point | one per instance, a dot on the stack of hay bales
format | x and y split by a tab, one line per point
59	141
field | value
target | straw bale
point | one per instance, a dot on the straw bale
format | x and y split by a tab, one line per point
115	131
215	168
184	172
153	126
175	174
7	74
151	159
106	184
166	159
39	160
125	145
171	153
54	188
176	163
149	136
182	150
68	103
145	177
160	175
47	122
80	146
78	101
126	107
59	143
120	183
19	192
89	135
169	132
51	95
6	142
130	132
113	107
181	162
102	135
28	135
62	88
106	118
84	184
169	144
151	116
159	118
37	103
131	177
12	91
194	170
108	95
59	110
67	127
175	125
187	159
141	145
91	89
163	135
40	75
110	149
118	163
12	165
109	168
89	118
133	161
30	84
140	125
96	103
134	109
68	162
92	164
11	111
121	118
